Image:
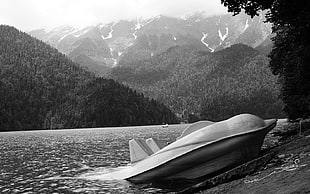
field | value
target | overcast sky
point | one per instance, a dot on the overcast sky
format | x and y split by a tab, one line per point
33	14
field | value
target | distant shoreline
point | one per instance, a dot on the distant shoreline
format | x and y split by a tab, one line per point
97	128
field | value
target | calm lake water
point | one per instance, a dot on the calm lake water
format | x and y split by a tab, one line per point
59	161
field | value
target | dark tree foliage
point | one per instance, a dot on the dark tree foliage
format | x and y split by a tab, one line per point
290	57
41	88
112	104
210	85
38	84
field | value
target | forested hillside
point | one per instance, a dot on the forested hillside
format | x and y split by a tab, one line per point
213	86
112	104
42	89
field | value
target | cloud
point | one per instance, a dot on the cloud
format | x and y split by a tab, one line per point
34	14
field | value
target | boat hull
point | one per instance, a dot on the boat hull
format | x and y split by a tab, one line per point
205	159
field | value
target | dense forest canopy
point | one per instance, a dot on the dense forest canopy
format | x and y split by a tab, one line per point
290	57
41	88
112	104
205	85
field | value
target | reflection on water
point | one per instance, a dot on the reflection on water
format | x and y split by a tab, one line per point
67	161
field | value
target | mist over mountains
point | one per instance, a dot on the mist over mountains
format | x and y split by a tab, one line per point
103	46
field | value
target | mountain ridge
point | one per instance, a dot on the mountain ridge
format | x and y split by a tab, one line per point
143	39
211	86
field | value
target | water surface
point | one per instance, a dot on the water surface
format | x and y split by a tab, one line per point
57	161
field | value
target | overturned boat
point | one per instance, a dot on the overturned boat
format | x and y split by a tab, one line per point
204	148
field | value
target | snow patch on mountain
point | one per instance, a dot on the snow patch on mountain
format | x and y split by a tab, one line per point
114	62
204	35
158	17
223	37
79	33
138	26
149	21
135	35
57	29
100	26
215	33
113	59
111	51
246	25
110	33
62	37
69	32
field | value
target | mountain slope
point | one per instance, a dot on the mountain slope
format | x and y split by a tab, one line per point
41	89
197	82
142	39
37	80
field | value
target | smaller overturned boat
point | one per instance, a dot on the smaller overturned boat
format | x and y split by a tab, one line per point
204	148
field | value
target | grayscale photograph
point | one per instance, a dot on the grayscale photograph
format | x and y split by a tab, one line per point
154	96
